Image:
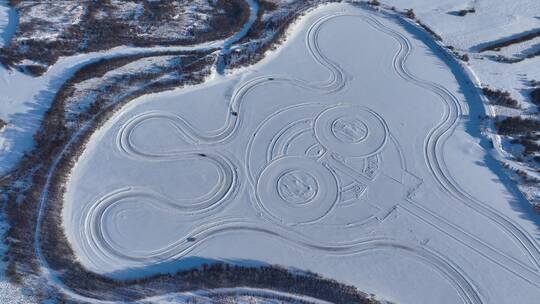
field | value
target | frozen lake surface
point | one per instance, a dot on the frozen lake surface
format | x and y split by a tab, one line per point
350	152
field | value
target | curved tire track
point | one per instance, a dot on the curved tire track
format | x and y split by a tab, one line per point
203	233
434	145
336	82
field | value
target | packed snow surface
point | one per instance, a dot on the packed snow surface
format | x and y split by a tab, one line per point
510	68
351	152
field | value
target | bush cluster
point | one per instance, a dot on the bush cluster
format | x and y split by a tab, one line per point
464	12
535	96
501	98
530	146
517	126
91	35
430	31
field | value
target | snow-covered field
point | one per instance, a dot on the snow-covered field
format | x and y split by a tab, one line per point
492	21
239	295
353	152
8	292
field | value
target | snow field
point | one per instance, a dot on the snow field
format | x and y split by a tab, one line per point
337	163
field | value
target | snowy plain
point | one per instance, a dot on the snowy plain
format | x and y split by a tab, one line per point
349	163
499	268
492	21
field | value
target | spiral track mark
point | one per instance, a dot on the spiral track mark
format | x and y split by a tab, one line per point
309	184
337	80
277	146
339	129
252	174
98	241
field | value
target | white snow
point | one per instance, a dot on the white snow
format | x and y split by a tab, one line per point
353	151
493	20
463	235
8	22
240	295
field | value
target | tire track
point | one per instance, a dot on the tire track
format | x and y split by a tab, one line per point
336	82
210	230
433	147
204	232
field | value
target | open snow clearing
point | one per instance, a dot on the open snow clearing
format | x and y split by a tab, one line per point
346	152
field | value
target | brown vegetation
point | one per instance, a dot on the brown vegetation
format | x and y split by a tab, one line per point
409	13
91	34
501	98
430	31
517	126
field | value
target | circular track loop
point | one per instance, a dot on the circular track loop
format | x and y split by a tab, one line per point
351	131
296	190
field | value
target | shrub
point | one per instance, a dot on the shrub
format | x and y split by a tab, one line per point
91	34
464	12
2	124
34	70
535	96
530	146
409	13
430	31
517	126
501	98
